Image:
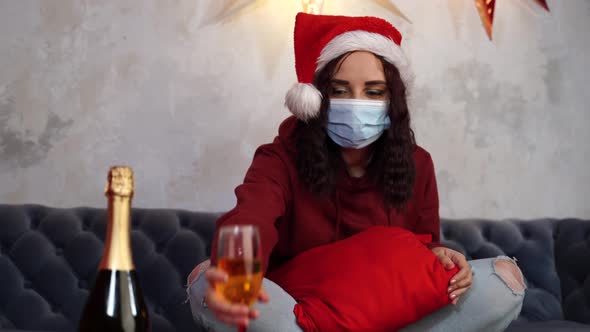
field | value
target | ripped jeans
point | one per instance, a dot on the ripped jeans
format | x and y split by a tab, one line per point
493	301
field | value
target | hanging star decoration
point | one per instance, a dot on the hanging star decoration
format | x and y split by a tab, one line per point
312	6
217	11
487	8
543	4
224	9
213	12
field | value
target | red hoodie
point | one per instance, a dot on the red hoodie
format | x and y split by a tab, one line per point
292	220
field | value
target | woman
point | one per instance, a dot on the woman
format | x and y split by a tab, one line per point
347	161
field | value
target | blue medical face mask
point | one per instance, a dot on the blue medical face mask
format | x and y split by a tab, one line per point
356	123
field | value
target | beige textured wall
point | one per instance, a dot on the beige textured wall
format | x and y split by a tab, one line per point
87	84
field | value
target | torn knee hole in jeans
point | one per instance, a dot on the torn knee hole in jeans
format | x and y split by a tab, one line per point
510	274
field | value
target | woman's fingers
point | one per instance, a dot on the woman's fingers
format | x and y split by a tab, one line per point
220	306
462	279
233	320
263	295
459	259
458	292
465	268
224	310
462	286
463	283
229	313
462	275
446	261
215	275
254	313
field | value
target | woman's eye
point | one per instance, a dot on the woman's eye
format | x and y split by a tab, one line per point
375	93
338	91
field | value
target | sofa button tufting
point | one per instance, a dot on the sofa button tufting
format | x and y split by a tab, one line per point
82	284
27	283
59	251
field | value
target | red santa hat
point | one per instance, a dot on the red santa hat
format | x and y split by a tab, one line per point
322	38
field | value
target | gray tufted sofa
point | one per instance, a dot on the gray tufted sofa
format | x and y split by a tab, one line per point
48	260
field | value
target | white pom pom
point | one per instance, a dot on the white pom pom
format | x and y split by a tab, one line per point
304	100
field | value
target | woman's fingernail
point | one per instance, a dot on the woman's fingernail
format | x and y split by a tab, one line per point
453	281
450	289
453	296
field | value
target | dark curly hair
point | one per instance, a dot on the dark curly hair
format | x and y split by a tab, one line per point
392	167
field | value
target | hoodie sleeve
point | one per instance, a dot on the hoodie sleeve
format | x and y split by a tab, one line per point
428	215
261	199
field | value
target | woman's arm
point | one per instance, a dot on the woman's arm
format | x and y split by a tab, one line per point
428	216
430	223
262	198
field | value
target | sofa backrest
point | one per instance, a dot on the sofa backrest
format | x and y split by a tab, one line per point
572	255
49	256
48	261
553	254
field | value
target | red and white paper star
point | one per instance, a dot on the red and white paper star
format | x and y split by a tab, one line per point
487	9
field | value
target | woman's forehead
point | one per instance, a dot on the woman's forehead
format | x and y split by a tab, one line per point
360	66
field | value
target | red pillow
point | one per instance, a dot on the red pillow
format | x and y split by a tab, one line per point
381	279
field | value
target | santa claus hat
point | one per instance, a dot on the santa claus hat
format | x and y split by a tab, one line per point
322	38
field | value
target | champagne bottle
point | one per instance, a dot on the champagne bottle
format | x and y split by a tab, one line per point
116	303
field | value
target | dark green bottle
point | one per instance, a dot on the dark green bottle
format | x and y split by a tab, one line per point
116	303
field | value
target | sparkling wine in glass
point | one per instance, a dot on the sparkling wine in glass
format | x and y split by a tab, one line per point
239	255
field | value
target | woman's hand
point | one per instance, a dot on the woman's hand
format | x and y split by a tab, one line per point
461	281
229	313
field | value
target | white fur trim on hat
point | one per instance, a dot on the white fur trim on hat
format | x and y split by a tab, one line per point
360	40
304	101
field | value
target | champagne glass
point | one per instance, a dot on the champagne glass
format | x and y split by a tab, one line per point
240	256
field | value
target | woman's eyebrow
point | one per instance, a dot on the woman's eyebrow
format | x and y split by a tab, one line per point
341	82
374	82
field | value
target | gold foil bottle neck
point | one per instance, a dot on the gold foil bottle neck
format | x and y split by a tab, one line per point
119	191
120	181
